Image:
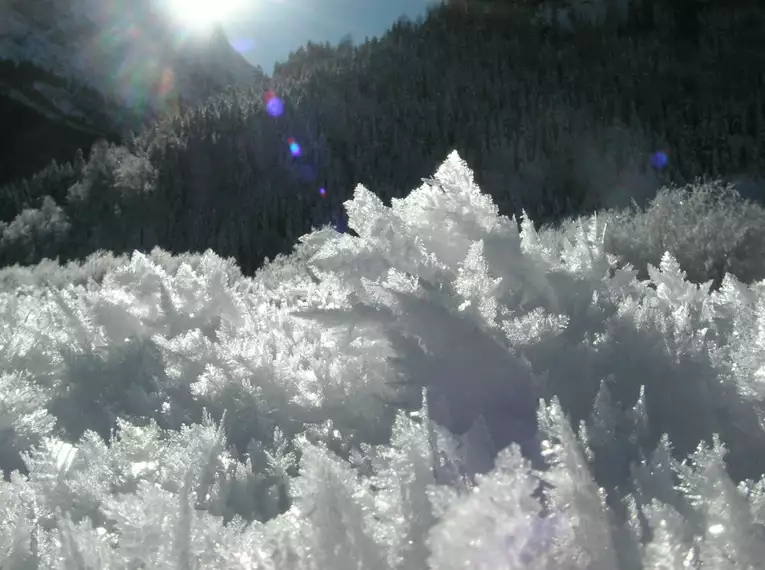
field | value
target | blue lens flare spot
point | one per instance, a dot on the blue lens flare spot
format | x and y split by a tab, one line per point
323	192
243	45
294	146
307	173
274	105
339	224
659	160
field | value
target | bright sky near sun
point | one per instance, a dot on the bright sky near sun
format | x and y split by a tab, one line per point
201	13
266	31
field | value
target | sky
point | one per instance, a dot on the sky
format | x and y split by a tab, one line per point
266	31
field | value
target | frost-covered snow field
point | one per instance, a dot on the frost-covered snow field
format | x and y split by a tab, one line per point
442	391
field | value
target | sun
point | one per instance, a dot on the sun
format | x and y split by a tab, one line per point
204	13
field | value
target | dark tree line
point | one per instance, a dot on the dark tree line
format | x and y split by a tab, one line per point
685	19
556	120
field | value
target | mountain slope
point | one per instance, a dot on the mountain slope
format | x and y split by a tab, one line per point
557	124
78	70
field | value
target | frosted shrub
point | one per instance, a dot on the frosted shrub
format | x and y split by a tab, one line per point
708	227
34	233
442	391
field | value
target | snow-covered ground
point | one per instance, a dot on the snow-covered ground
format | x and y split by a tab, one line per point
363	403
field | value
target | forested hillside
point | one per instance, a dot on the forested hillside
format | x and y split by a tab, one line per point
76	71
556	120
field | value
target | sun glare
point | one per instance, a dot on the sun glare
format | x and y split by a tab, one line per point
204	13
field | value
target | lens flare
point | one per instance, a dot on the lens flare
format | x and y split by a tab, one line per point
659	160
323	192
307	173
275	107
338	223
243	45
204	13
294	147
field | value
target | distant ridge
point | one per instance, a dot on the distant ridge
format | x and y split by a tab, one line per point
73	71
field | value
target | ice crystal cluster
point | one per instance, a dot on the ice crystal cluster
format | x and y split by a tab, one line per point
442	388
